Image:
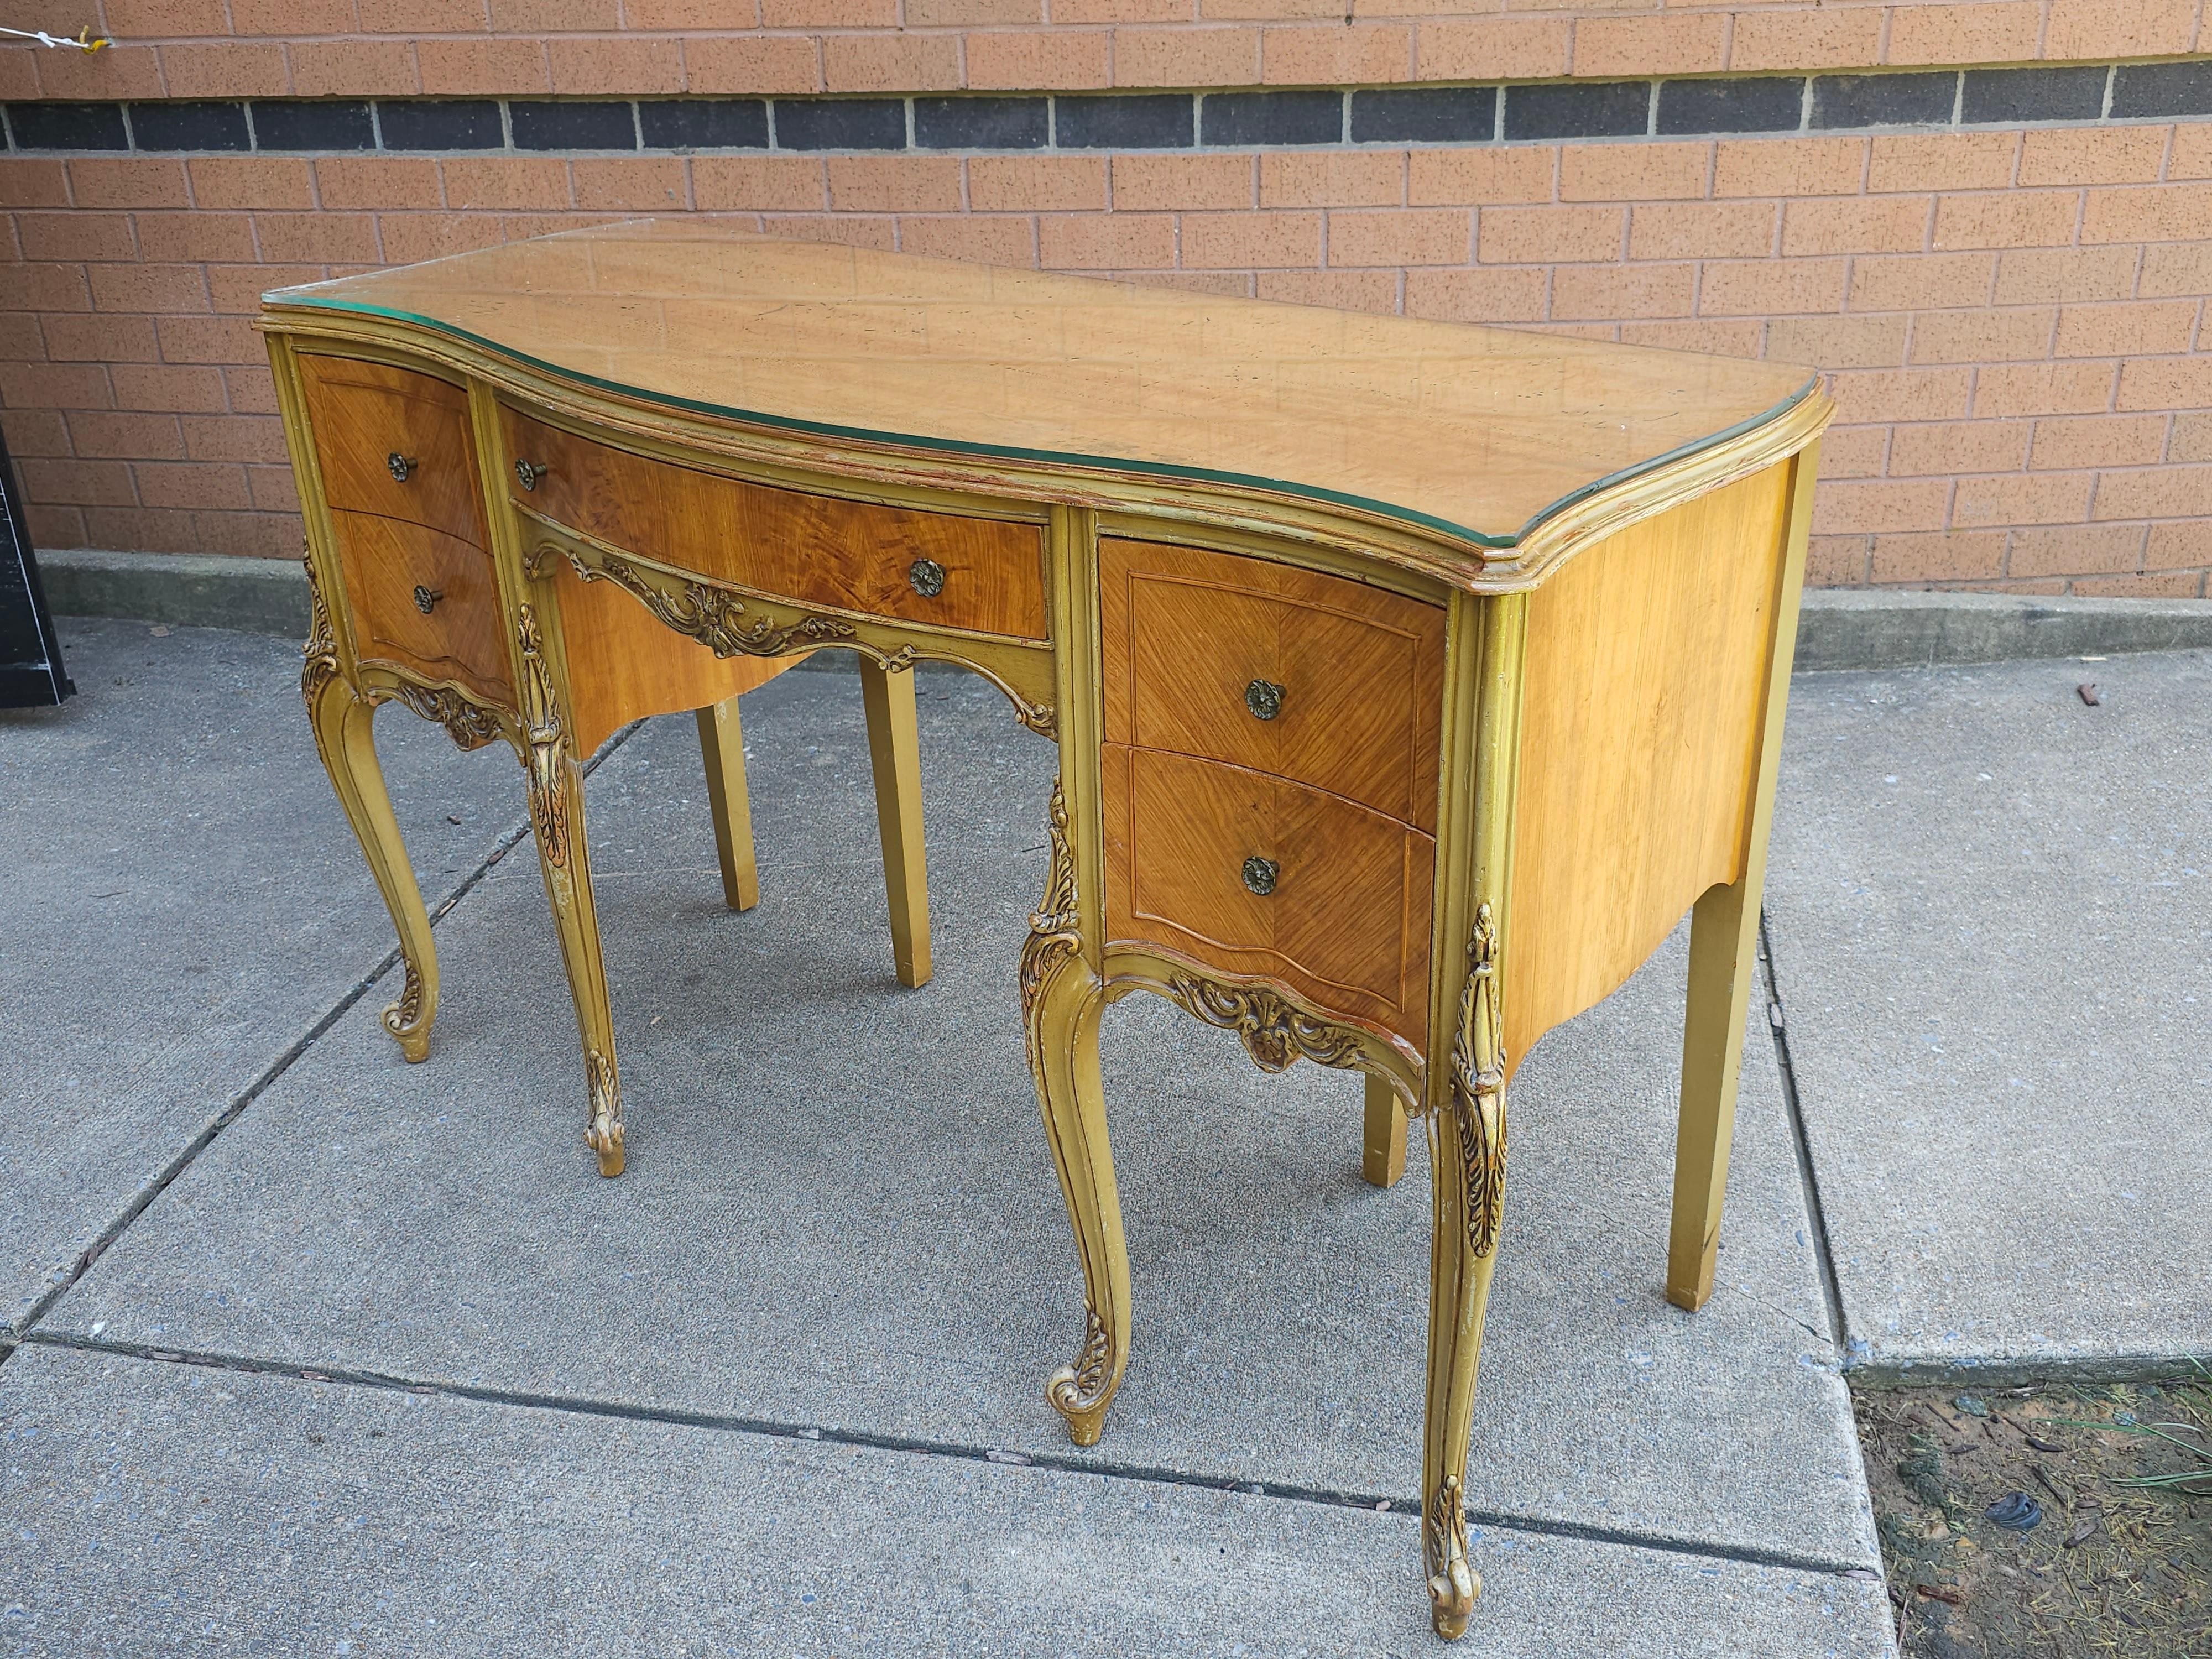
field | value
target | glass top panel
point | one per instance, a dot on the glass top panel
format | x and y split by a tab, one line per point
1479	432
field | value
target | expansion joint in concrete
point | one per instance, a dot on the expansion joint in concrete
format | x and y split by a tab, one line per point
1801	1144
769	1428
11	1338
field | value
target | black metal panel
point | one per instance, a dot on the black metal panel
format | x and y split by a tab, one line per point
31	675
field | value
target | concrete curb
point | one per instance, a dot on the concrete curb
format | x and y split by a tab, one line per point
187	590
1847	627
1842	629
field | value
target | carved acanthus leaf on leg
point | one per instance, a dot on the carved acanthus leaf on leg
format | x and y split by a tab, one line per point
542	747
603	1132
320	652
1080	1388
1055	925
1478	1087
1453	1583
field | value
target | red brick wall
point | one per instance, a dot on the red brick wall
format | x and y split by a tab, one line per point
2014	316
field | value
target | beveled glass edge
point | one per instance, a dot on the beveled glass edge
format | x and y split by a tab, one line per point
282	297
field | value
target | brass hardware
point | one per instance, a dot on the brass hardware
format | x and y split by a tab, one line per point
425	598
1264	698
400	465
926	577
527	473
1260	874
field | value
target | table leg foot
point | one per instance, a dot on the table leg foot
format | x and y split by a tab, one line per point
1454	1585
602	1133
1080	1392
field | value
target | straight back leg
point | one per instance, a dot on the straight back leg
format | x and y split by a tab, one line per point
722	747
895	751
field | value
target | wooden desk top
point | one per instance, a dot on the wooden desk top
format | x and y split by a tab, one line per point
1473	437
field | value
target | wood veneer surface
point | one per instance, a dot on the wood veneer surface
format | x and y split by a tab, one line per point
1479	432
1640	726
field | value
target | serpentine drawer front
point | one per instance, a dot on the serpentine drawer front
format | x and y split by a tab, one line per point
394	443
1407	681
1257	875
424	600
977	573
1331	681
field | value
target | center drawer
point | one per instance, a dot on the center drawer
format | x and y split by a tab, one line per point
984	575
1315	678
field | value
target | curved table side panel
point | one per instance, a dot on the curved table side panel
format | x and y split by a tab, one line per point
1639	742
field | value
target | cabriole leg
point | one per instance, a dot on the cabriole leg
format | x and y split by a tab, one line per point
1466	1160
895	751
722	748
1724	963
1061	1002
556	819
342	725
1383	1145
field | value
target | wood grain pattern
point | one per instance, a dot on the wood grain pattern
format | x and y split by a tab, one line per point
816	549
461	639
1347	925
624	666
1477	430
364	412
1186	630
1646	658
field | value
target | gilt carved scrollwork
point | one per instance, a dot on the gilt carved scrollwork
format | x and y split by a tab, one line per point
469	725
1478	1087
1055	925
543	754
1453	1584
603	1132
1081	1388
1275	1030
711	615
320	653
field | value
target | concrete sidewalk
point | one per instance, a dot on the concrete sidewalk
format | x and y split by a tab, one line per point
1991	907
385	1363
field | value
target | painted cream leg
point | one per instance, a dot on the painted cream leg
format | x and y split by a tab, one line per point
342	723
556	817
1382	1146
1467	1161
1061	1002
1724	956
895	751
722	747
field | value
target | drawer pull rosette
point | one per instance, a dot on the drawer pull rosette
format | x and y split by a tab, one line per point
1260	874
926	577
1265	699
527	473
426	598
402	467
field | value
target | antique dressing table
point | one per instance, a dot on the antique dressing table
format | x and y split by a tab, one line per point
1409	680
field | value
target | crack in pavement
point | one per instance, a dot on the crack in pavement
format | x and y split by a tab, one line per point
773	1429
12	1337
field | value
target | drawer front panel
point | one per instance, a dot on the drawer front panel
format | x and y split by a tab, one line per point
1315	678
459	638
988	576
364	414
1346	924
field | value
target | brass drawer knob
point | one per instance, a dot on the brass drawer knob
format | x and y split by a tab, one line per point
926	577
527	473
426	598
400	465
1264	698
1260	874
